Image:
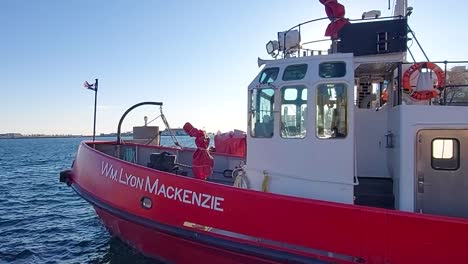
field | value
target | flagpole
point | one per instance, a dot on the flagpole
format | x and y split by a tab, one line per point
95	106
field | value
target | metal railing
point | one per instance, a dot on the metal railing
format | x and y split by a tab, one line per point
308	52
452	90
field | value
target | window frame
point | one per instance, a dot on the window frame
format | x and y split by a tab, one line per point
298	98
316	112
455	156
252	110
295	65
330	62
266	69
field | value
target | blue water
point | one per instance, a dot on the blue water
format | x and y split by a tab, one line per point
43	220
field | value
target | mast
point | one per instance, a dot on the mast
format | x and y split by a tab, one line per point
401	7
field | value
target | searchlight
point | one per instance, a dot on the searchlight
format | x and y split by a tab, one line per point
288	42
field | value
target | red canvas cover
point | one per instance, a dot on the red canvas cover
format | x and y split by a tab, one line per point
336	12
202	164
234	142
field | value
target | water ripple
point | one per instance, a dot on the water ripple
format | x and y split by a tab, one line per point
44	221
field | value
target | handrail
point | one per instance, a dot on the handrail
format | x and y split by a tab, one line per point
375	18
119	140
307	22
444	62
332	19
446	88
299	26
349	19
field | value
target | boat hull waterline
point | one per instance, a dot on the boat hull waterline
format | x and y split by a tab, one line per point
214	223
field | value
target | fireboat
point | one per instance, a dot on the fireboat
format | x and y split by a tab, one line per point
354	154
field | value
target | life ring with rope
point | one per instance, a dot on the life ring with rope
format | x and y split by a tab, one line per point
424	95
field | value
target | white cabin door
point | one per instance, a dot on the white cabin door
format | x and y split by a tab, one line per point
442	172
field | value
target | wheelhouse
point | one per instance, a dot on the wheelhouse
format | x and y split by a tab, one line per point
342	125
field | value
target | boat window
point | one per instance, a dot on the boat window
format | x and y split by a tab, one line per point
293	111
332	69
445	154
332	113
269	75
261	112
295	72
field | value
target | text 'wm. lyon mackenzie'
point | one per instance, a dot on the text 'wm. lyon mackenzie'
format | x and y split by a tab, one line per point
154	187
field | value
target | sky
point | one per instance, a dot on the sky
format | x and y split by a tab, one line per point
197	57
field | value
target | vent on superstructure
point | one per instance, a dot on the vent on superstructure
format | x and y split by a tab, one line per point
382	42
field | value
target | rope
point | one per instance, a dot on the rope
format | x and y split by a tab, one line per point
269	173
166	123
241	180
155	136
266	178
174	139
153	120
182	165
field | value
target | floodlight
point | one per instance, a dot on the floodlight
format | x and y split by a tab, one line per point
271	47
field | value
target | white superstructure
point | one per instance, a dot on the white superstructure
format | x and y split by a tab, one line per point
348	127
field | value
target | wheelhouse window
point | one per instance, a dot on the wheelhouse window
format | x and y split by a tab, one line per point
295	72
269	75
445	154
332	69
332	116
293	111
261	112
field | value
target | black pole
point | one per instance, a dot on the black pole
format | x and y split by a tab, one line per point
95	106
399	84
417	42
445	88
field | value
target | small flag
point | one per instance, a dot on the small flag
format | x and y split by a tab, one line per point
89	86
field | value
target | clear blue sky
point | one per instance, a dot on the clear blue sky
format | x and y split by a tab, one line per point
196	56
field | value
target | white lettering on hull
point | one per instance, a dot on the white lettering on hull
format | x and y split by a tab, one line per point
159	189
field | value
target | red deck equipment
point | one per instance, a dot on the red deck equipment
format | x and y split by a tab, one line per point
234	142
336	12
202	160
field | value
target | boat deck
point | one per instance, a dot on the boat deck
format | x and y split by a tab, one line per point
374	192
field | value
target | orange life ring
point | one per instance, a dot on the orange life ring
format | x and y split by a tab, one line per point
424	95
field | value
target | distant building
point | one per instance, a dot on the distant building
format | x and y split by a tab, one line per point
457	86
175	131
123	134
11	135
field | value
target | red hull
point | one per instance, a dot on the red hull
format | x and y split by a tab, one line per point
254	227
168	248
